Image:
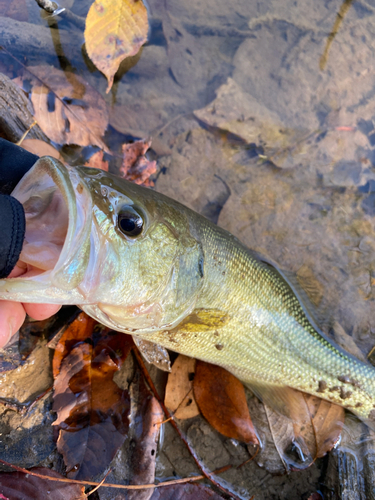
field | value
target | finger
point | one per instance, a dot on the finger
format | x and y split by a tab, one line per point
41	311
12	315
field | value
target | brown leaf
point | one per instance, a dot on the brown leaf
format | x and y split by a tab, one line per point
222	401
92	411
179	394
16	9
20	486
143	434
321	425
40	148
96	161
115	29
67	109
185	492
136	167
294	443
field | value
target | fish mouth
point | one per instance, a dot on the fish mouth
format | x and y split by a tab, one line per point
55	253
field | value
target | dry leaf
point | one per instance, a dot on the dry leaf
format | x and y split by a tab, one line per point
40	148
179	395
92	411
221	398
115	29
96	161
20	486
68	109
136	167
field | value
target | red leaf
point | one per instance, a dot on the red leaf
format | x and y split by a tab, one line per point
136	167
93	412
221	398
20	486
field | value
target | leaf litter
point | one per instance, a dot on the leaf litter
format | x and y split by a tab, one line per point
92	411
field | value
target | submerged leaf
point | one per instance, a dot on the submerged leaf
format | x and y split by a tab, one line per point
179	395
96	161
67	109
222	401
136	167
92	411
20	486
115	29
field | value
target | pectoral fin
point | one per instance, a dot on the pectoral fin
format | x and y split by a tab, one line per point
154	354
203	320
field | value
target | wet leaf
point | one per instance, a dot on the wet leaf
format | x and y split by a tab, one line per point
20	486
185	492
221	398
136	167
179	394
96	161
67	109
16	9
40	148
92	411
147	418
321	425
294	443
115	29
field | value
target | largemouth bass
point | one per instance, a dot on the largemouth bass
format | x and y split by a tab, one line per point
144	264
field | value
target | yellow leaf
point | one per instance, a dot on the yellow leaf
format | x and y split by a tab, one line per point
115	29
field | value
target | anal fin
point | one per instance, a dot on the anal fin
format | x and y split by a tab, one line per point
281	398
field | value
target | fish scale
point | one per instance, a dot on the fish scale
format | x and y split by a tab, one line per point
181	283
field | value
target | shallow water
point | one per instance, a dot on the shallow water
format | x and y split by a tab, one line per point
262	116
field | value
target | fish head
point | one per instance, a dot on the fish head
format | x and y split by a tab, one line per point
122	252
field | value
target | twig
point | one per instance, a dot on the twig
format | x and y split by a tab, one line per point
207	475
100	484
25	134
109	485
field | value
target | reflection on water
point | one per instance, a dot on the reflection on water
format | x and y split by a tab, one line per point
263	118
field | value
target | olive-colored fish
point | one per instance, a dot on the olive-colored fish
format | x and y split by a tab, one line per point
144	264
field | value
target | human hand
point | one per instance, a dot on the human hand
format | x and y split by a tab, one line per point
14	163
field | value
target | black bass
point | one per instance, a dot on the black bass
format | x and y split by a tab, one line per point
144	264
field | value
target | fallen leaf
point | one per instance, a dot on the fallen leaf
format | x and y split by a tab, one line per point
67	109
321	425
16	9
185	492
96	161
146	418
294	443
20	486
40	148
179	394
115	29
136	167
92	411
221	398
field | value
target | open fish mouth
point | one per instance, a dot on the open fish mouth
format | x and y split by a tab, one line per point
56	248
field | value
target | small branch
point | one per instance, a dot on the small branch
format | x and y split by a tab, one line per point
109	485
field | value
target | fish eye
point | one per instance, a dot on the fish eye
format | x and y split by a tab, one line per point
129	221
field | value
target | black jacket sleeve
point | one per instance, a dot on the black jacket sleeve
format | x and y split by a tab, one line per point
14	163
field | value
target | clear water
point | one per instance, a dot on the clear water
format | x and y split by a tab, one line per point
262	115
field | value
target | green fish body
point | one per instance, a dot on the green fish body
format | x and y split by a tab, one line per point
144	264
